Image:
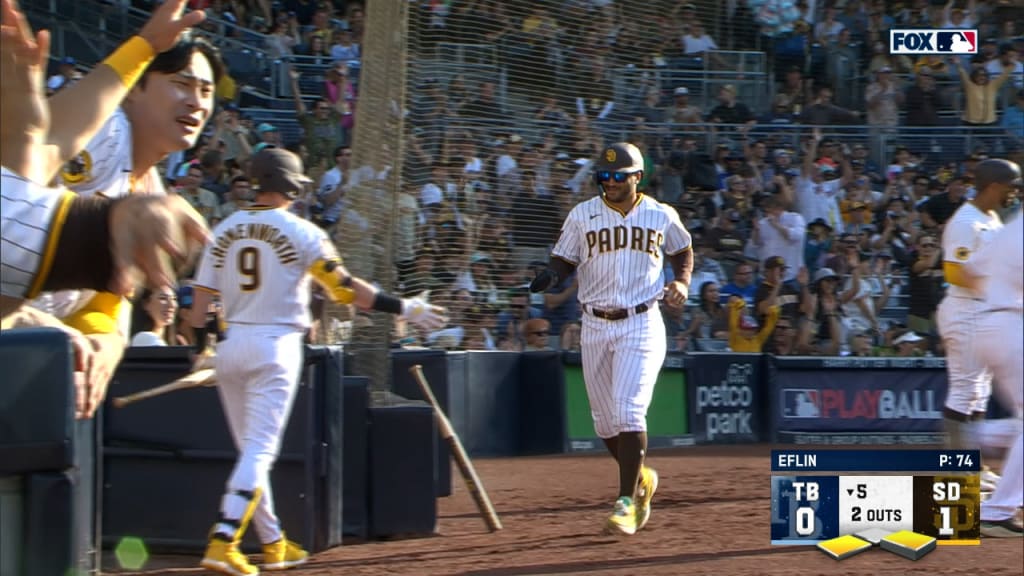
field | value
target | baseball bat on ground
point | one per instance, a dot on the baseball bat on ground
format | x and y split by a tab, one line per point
473	484
204	377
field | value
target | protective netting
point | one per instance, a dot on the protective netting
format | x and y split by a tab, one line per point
368	230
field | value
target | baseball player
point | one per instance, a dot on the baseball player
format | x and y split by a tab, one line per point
616	243
969	230
261	262
997	273
164	112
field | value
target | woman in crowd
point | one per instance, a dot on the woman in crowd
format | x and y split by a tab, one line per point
153	319
709	319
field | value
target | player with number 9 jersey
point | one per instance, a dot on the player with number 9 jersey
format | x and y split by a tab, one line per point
259	262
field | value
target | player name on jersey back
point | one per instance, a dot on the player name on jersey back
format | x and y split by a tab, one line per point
259	262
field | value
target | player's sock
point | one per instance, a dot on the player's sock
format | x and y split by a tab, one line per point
237	509
612	444
632	449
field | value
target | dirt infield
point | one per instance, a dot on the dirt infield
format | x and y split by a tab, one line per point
711	517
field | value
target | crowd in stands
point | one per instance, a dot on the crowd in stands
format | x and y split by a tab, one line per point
816	227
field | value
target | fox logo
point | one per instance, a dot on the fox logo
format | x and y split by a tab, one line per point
933	41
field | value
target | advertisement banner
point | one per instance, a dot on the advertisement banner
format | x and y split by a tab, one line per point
726	397
858	406
667	424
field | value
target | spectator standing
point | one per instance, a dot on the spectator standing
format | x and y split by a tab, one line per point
925	288
780	234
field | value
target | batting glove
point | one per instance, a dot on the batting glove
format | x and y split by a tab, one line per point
423	314
545	279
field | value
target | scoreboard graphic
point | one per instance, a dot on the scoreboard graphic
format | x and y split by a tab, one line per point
847	501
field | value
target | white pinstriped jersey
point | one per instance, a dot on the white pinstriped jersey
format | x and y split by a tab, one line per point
1001	264
105	166
26	217
259	262
967	232
619	259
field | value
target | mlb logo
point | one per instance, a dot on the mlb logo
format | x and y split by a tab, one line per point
930	41
801	403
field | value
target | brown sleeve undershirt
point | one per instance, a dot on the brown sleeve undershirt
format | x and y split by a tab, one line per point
83	259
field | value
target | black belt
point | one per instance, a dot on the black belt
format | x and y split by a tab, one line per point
618	313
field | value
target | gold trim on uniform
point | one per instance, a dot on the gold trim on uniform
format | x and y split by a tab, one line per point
639	197
205	289
50	250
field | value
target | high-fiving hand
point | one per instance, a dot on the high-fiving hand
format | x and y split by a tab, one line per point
423	314
167	23
154	235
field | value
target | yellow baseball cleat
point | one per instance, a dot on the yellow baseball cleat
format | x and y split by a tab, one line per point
283	554
623	519
644	495
223	557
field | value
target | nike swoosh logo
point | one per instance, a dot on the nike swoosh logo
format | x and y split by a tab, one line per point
592	216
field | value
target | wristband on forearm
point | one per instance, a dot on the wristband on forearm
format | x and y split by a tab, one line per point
131	59
384	302
83	259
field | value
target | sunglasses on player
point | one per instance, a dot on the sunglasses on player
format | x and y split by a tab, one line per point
604	176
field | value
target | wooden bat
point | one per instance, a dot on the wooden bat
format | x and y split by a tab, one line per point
204	377
473	484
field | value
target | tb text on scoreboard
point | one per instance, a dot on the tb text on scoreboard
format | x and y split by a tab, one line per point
818	495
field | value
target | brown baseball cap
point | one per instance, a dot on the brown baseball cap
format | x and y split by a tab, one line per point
278	170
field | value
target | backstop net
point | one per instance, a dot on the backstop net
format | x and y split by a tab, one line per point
476	125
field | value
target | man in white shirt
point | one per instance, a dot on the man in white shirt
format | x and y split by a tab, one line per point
780	233
997	272
1008	58
332	185
818	196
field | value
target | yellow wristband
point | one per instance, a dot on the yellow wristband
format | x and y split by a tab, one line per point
131	59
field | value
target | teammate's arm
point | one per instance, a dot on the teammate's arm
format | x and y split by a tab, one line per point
79	111
347	289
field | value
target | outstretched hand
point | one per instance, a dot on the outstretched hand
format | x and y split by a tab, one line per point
165	26
23	57
424	314
153	234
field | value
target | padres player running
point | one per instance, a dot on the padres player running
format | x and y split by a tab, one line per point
969	229
261	261
616	242
998	274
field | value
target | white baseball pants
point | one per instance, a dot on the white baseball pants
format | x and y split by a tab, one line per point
970	381
621	360
1000	342
258	371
